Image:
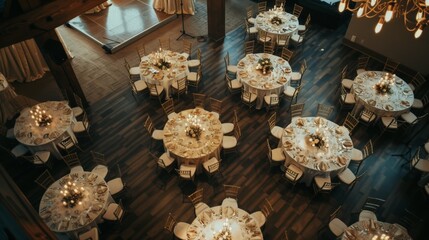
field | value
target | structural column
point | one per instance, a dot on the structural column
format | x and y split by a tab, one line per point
216	19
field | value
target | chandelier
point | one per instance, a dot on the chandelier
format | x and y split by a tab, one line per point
415	13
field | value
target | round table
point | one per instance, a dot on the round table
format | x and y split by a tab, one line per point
95	199
38	138
277	23
213	221
396	101
329	156
190	150
153	74
255	81
370	229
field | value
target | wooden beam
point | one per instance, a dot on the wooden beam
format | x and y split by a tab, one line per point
42	19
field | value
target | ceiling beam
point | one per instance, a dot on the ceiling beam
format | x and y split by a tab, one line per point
42	19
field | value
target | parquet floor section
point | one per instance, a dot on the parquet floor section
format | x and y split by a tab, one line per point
117	130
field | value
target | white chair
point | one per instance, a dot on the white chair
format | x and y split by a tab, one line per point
168	107
39	158
231	196
229	67
82	126
187	172
362	64
293	174
248	98
275	156
418	163
336	226
262	215
165	161
215	107
197	199
195	62
73	162
114	212
345	82
234	86
8	133
370	209
179	229
101	168
211	166
417	82
271	101
116	185
78	110
230	143
420	103
155	134
229	127
275	131
347	100
138	86
193	79
91	234
358	156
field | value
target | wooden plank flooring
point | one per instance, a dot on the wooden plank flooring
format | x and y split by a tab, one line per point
117	130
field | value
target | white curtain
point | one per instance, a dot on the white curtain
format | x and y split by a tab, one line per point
22	62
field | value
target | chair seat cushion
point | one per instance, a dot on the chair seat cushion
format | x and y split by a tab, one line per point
268	101
320	181
229	142
77	111
253	30
277	155
76	169
295	169
180	230
367	215
347	83
158	89
185	54
387	122
158	134
235	84
264	39
200	208
296	38
337	227
357	155
210	162
251	20
277	132
135	71
171	115
259	218
289	91
409	117
140	85
360	70
347	176
167	159
417	103
43	156
227	127
231	202
301	28
232	68
80	126
246	98
100	170
90	234
19	150
295	76
192	76
412	86
194	63
349	98
422	165
115	185
191	168
215	114
427	147
109	214
367	116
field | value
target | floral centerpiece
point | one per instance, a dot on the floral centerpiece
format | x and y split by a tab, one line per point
161	63
318	140
72	195
276	20
225	232
41	118
194	131
265	65
193	125
383	87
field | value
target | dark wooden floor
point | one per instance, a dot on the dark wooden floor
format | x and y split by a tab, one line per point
117	131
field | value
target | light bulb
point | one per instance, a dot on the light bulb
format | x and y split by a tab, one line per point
419	30
389	12
379	25
427	3
360	11
342	5
373	2
419	15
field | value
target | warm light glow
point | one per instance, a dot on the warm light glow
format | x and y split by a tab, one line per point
427	3
342	5
373	2
379	25
389	13
360	11
419	31
419	15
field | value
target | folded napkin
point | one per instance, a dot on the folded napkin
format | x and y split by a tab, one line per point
323	166
405	103
300	122
342	160
347	144
289	130
301	158
371	102
38	141
287	145
319	120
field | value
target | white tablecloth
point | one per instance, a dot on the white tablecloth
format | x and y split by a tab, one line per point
395	103
173	6
45	138
189	150
289	23
152	74
96	198
263	84
368	229
208	224
330	159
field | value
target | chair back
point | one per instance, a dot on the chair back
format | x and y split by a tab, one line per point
269	151
280	3
164	43
390	66
324	110
72	160
293	176
266	208
363	62
344	72
350	122
187	47
274	99
296	110
249	11
368	149
409	220
282	41
262	6
199	54
78	100
335	213
286	237
185	174
231	191
287	54
119	211
303	67
141	51
214	167
45	179
168	106
98	158
269	47
181	84
418	80
215	105
149	125
170	223
373	204
307	21
197	196
237	132
297	9
272	120
199	99
153	89
249	47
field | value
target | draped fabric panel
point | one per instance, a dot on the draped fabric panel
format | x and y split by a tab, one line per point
22	62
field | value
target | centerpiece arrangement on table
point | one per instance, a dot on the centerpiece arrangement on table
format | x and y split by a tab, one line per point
193	127
225	232
276	21
73	195
265	65
160	60
384	86
41	118
318	139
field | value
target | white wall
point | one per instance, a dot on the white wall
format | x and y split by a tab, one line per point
394	42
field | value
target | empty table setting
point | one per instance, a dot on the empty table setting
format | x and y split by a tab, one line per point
224	222
43	125
263	74
382	93
375	230
162	67
317	146
277	22
193	136
74	202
